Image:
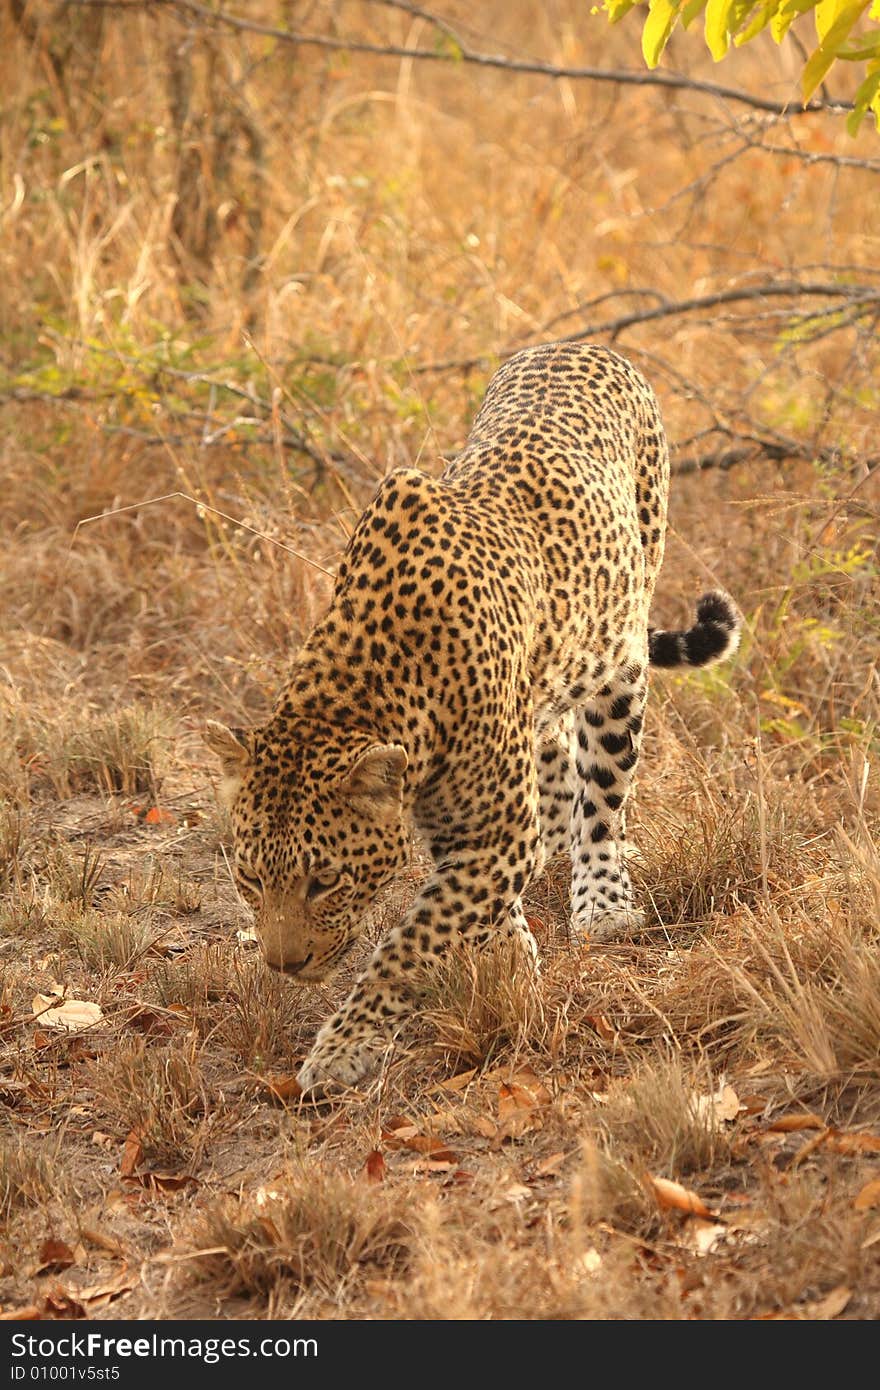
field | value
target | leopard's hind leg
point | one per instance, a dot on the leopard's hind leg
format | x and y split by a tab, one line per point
609	734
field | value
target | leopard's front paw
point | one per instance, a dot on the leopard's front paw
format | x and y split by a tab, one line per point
607	923
341	1062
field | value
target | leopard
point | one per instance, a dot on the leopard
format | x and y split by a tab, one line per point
479	677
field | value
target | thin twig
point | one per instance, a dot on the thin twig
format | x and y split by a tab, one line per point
205	507
459	55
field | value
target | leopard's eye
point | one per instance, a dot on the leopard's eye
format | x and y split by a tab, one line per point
321	881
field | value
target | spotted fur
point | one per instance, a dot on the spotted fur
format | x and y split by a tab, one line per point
481	674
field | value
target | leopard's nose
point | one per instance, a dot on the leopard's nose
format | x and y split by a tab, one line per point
293	967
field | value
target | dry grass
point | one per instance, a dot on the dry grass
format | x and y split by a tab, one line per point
265	329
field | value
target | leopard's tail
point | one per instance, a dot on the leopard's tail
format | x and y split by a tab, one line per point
714	636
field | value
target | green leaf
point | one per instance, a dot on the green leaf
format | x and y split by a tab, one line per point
759	21
662	15
867	98
862	50
717	30
618	8
786	14
695	7
834	38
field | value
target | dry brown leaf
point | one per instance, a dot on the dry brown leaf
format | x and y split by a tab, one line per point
154	1021
30	1313
59	1303
752	1104
590	1262
282	1087
673	1196
68	1014
722	1105
104	1242
871	1239
132	1153
549	1165
853	1143
163	1182
400	1133
460	1175
483	1125
599	1023
98	1295
869	1196
517	1192
427	1164
784	1124
702	1236
458	1083
520	1099
55	1255
374	1168
831	1306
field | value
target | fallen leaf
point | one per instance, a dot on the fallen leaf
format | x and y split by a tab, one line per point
103	1141
483	1125
460	1176
374	1168
809	1147
853	1143
520	1098
282	1087
458	1083
599	1023
246	934
517	1191
30	1313
702	1236
132	1153
673	1196
831	1306
104	1242
435	1165
400	1133
722	1105
70	1015
590	1262
54	1256
752	1104
784	1124
869	1196
153	1021
99	1295
549	1165
61	1304
163	1182
157	816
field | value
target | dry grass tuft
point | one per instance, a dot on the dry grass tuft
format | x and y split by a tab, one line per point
309	1231
486	1003
162	1095
662	1119
28	1177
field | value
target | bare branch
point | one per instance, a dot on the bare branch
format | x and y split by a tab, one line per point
456	53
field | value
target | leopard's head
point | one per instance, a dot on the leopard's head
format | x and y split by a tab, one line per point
319	829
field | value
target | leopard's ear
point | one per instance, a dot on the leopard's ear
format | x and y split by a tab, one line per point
234	747
377	773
